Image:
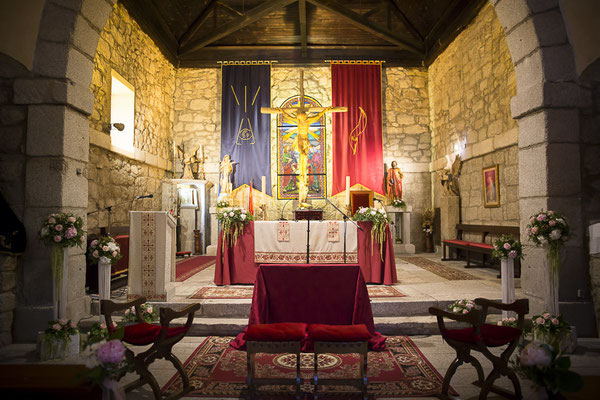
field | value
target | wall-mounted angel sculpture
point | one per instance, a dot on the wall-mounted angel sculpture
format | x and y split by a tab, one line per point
449	177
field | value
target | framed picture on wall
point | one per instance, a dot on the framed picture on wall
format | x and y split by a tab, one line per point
491	187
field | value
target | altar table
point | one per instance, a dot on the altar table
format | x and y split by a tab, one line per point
236	264
330	294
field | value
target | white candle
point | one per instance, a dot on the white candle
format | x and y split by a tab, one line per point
348	190
263	182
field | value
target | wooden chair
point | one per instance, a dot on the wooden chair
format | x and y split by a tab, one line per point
276	338
480	337
161	337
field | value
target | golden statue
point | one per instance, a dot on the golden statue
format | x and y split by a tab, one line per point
303	117
225	168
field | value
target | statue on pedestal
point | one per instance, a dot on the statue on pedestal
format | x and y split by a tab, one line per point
394	182
225	170
189	160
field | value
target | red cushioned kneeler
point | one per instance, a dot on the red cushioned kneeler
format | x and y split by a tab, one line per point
338	333
281	331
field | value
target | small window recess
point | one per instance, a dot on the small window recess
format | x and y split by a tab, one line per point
122	111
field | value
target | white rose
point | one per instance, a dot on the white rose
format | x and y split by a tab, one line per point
105	259
373	212
231	214
44	231
243	217
542	239
555	234
381	211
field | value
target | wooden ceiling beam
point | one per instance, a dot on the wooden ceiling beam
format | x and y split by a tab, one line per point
302	18
364	24
406	22
231	10
251	16
195	26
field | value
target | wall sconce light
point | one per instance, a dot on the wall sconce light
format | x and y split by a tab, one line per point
109	127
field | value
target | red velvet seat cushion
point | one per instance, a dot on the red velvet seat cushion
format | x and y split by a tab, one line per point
482	245
492	335
338	333
278	332
144	333
460	242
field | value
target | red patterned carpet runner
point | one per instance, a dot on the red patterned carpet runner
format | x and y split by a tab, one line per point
440	270
217	370
187	267
228	292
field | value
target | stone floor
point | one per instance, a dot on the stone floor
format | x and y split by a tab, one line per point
414	281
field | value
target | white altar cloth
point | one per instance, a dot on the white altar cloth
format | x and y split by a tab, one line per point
271	246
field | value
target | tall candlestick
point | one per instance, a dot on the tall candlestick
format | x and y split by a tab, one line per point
347	190
263	181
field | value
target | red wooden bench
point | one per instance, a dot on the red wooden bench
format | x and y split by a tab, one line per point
464	248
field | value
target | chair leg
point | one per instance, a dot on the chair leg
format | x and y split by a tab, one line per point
486	388
475	363
185	380
448	377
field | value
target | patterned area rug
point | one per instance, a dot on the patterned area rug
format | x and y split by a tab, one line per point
440	270
217	370
228	292
187	267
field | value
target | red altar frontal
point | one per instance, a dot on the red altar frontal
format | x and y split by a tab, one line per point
237	264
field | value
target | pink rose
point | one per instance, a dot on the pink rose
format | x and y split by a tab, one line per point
550	213
71	219
56	327
551	223
114	253
546	315
512	254
63	321
51	220
103	326
532	220
512	319
554	321
94	243
541	217
539	321
71	232
104	248
507	246
499	323
73	325
534	230
111	352
57	238
95	254
465	311
58	227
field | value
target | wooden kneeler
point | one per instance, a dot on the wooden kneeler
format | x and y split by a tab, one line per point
162	338
277	338
340	339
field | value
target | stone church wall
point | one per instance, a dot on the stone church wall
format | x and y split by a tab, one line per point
470	87
406	134
115	178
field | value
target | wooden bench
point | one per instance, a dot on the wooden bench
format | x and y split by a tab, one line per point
485	233
183	254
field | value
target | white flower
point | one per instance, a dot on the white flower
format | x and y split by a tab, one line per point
231	214
105	260
382	211
542	239
535	354
373	212
555	234
44	231
362	210
243	217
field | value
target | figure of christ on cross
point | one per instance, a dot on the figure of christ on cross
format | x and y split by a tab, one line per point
303	117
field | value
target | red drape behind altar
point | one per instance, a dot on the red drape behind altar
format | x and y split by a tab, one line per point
354	86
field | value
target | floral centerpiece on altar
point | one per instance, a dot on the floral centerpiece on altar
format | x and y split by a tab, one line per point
60	340
60	231
380	221
549	229
399	203
97	333
104	249
222	204
547	369
551	329
233	220
507	247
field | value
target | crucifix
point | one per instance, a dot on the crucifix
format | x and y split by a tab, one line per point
303	117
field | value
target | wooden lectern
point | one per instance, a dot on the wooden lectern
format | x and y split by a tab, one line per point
151	255
360	198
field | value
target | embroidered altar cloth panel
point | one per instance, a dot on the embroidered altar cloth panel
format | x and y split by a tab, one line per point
284	242
151	255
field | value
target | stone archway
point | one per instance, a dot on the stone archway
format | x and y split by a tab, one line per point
59	101
547	108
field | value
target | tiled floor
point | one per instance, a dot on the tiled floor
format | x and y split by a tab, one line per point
415	282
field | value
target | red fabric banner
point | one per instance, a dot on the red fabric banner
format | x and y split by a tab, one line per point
357	86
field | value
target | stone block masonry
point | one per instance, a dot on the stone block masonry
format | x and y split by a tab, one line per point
115	178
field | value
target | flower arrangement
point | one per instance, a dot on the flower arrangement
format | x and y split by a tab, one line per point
511	322
97	333
507	247
147	312
463	306
550	329
222	204
399	203
107	363
104	249
62	329
547	369
427	223
549	228
60	231
380	221
233	220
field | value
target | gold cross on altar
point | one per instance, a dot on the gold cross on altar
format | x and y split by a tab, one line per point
303	117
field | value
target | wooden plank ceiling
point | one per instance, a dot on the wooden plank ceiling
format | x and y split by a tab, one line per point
199	33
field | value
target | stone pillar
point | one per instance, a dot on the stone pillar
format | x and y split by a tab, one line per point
8	297
404	246
449	216
211	250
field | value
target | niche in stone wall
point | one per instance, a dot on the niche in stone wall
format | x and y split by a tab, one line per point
122	108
